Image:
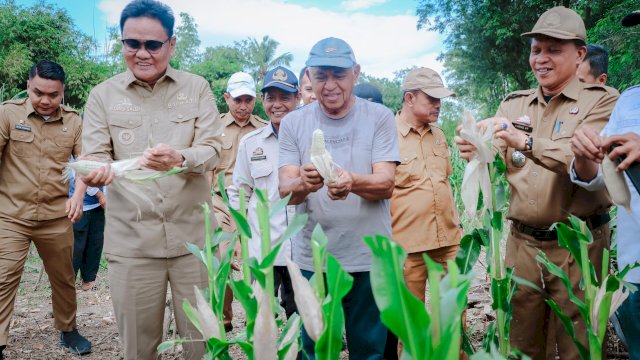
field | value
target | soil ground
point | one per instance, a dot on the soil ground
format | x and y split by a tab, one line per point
32	335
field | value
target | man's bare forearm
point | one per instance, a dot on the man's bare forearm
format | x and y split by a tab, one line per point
295	187
373	187
585	169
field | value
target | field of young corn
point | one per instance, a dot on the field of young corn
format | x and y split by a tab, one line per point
434	331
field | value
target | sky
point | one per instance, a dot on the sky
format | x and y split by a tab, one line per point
382	33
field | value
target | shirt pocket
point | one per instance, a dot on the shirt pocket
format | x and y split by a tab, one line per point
22	143
440	162
128	135
63	146
564	131
407	171
182	127
260	172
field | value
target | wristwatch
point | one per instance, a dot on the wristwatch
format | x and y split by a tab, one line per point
528	144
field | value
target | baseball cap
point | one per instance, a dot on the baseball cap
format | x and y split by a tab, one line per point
241	83
281	78
559	23
331	52
368	92
631	19
428	81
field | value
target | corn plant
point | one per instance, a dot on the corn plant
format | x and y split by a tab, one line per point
601	297
321	307
434	334
260	340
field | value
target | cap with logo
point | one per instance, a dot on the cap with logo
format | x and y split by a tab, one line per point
631	19
428	81
281	78
241	83
560	23
331	52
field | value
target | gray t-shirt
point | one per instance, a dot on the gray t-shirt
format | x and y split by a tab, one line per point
365	136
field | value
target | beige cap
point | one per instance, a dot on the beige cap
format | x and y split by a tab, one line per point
560	23
428	81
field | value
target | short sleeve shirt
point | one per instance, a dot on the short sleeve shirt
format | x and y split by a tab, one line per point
365	136
33	154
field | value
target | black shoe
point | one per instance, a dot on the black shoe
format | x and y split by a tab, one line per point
1	350
228	327
74	342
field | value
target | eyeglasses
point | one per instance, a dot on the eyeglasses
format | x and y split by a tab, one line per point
152	46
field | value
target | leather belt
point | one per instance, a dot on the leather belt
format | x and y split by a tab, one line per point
544	234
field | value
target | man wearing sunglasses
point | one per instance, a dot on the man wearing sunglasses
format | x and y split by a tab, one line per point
166	117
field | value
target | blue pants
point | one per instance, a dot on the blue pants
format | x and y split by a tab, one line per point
366	335
88	238
629	316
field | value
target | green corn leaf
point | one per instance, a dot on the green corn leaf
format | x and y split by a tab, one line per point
192	314
339	282
221	187
221	277
195	250
499	294
469	251
247	348
169	344
496	220
244	294
568	327
403	313
241	223
256	271
263	196
270	259
218	349
295	225
557	271
290	333
279	205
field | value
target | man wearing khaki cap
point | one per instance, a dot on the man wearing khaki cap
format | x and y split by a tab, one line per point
423	214
533	129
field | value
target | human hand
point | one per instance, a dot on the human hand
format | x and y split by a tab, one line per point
102	199
99	177
586	144
340	189
311	179
161	157
628	145
236	259
504	130
73	208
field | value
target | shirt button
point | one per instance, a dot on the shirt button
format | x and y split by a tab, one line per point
130	121
535	173
532	202
180	116
155	121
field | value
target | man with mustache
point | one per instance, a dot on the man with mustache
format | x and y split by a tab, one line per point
533	129
423	211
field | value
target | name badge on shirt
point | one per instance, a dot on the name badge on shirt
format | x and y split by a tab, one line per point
258	154
23	127
522	127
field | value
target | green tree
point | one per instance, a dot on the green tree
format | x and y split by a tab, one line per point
44	31
485	57
261	56
216	65
391	90
187	44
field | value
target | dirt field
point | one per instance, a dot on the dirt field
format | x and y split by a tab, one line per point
32	335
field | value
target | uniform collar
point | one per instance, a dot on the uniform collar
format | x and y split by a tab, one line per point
30	110
268	131
229	119
571	91
130	79
404	127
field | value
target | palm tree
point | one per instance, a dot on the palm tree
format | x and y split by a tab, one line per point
260	56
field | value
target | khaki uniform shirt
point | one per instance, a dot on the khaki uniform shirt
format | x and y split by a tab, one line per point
123	116
231	135
33	153
541	191
423	212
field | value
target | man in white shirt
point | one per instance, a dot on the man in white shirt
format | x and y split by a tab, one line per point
257	168
589	149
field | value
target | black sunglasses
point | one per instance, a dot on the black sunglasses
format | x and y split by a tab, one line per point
152	46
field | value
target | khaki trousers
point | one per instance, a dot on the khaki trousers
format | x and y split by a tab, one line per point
533	320
54	242
139	290
223	217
